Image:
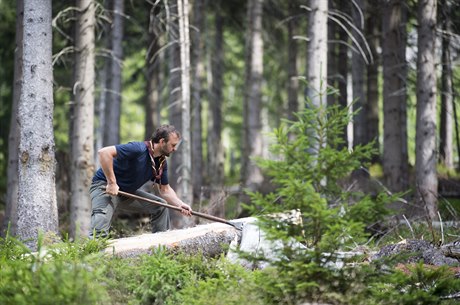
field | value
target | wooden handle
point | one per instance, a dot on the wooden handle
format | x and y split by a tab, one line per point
207	216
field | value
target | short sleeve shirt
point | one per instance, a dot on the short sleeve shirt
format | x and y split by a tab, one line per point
133	167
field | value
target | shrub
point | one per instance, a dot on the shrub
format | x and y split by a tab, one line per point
49	276
308	170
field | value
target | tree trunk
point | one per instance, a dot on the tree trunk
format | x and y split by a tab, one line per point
293	81
317	53
11	209
215	148
37	210
446	124
342	63
175	109
152	106
357	71
104	84
113	103
426	188
185	184
372	104
395	158
198	38
210	240
251	175
83	122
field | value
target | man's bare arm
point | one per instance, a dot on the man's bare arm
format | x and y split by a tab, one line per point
168	193
106	156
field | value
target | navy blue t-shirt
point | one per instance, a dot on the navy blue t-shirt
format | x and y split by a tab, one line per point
133	167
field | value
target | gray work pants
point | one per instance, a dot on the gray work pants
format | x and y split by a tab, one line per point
103	207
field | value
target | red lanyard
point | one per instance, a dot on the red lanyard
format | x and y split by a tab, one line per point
162	159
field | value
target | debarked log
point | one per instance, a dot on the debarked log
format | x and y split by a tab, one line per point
208	239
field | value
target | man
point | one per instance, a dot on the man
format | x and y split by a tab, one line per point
127	167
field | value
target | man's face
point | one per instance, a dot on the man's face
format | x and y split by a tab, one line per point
167	148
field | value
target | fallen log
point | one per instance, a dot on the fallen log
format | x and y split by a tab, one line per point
210	239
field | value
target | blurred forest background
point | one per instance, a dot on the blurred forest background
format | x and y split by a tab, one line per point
226	73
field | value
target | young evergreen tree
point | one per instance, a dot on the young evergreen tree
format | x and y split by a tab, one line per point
334	215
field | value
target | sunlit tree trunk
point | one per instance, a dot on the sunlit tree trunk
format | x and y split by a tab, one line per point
185	183
82	168
11	212
113	102
251	175
394	34
317	52
37	209
426	188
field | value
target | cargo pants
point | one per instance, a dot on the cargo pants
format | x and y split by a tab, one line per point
104	206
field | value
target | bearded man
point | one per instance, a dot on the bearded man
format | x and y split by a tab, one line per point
127	167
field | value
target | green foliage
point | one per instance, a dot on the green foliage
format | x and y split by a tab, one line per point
310	170
57	275
309	174
413	284
161	277
226	284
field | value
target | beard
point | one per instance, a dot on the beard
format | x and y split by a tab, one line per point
164	152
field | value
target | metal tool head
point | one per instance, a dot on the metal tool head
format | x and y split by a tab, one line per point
237	225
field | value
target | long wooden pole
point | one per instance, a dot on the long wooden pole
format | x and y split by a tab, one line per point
206	216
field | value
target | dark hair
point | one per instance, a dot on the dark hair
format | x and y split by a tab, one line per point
163	132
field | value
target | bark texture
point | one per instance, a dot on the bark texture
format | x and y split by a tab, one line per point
37	209
210	240
446	124
358	76
215	148
426	188
185	183
395	157
11	209
113	102
251	175
152	106
83	120
197	66
317	52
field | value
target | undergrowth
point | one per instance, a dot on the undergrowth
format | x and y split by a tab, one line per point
307	267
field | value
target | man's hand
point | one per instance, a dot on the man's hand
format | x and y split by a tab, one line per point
112	189
186	210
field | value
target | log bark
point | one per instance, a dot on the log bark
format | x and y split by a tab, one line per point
207	239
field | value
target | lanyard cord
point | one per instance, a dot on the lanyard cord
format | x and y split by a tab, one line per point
156	174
